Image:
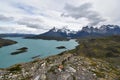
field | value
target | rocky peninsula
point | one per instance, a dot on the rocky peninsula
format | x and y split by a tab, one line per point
6	42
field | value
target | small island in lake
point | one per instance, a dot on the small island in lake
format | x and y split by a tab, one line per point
20	50
36	56
61	47
23	48
6	42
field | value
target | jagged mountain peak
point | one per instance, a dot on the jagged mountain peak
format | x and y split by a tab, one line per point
109	26
101	29
89	29
54	29
62	30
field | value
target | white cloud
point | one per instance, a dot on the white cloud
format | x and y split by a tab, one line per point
19	29
37	16
83	11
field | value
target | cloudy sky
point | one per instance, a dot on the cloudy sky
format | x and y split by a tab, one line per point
38	16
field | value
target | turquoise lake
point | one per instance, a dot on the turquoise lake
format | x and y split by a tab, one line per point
35	47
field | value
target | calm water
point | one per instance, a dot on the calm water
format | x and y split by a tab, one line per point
44	48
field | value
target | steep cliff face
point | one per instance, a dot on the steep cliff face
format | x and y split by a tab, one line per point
89	61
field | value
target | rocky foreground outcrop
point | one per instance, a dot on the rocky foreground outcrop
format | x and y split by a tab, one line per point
69	65
62	67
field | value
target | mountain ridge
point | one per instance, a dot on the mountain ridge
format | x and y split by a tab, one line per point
67	34
87	31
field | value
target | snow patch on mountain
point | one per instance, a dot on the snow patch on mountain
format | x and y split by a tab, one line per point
63	30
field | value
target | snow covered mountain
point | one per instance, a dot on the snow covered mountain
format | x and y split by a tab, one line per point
63	30
56	34
88	31
104	29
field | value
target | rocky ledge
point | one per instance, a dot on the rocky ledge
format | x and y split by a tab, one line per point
64	67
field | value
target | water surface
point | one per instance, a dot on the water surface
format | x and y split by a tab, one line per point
36	47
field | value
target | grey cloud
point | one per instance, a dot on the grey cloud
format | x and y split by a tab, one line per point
32	23
83	11
24	7
5	18
28	24
10	29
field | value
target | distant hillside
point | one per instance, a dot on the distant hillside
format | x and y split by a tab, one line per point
107	48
